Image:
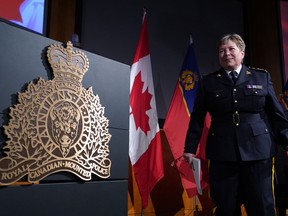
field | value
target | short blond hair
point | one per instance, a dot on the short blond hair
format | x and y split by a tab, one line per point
237	39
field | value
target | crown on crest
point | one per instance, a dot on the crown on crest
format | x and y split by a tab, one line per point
67	64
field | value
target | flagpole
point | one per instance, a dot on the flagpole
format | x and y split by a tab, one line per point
196	205
144	12
191	39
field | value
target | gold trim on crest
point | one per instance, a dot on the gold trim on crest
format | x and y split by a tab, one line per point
57	125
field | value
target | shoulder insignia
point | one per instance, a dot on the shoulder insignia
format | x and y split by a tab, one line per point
258	69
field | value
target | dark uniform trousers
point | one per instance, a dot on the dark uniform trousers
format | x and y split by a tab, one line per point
247	182
240	144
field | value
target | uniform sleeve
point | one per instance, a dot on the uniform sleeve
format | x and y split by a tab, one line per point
276	116
196	121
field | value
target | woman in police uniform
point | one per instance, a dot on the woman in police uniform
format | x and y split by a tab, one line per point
246	119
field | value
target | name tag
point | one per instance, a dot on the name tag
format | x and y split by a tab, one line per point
254	86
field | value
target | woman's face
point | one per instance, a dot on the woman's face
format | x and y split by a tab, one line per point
230	56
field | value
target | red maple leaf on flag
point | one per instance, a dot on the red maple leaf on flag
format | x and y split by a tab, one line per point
140	103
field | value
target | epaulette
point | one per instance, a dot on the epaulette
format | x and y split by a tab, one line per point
204	75
258	69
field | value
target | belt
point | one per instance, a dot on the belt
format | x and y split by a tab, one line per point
237	117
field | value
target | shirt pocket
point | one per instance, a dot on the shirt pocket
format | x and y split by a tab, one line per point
217	99
255	98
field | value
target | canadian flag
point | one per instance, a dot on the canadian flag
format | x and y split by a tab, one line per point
145	148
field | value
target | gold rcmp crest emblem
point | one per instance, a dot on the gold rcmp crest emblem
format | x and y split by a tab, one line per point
188	79
57	125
